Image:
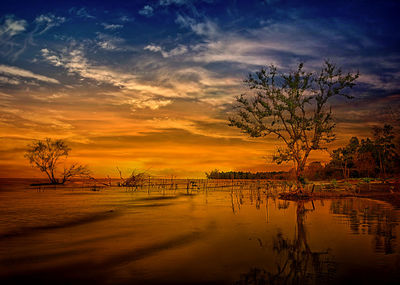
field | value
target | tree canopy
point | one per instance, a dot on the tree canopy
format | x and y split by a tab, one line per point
293	107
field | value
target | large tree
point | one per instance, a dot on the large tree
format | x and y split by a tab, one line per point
294	107
47	154
385	148
344	157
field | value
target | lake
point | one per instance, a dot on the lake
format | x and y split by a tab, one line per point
236	235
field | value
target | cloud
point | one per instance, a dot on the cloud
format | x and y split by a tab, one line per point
75	62
18	72
280	43
146	11
108	45
53	59
153	48
6	80
82	13
205	28
111	26
27	118
153	104
207	78
179	50
166	85
380	81
188	3
108	42
170	2
48	21
50	97
12	27
125	18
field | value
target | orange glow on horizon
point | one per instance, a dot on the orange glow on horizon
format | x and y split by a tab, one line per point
184	139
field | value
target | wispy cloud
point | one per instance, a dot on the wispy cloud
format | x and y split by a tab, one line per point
125	18
74	61
13	46
201	28
144	94
10	30
6	80
177	2
109	42
81	12
146	11
112	26
179	50
12	27
46	22
153	104
19	72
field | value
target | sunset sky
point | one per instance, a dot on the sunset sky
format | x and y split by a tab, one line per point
148	85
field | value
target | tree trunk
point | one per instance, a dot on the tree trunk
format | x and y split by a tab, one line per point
53	179
380	164
49	176
299	175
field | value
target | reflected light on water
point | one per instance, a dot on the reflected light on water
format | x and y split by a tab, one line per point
230	236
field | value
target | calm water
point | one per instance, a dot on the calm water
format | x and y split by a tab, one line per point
114	236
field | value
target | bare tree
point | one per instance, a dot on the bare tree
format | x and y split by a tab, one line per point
73	171
47	154
135	179
294	108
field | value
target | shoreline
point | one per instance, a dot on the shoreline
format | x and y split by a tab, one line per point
392	198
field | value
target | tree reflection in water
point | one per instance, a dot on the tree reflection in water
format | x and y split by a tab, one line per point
295	261
366	217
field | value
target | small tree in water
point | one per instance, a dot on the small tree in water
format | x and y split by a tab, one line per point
294	108
47	154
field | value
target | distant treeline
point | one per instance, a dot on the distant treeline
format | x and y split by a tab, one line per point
216	174
375	157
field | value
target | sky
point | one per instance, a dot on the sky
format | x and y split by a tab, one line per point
148	85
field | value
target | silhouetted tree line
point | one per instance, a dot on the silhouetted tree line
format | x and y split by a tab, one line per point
216	174
378	156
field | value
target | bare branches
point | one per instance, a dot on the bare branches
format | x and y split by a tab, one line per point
47	154
135	179
73	171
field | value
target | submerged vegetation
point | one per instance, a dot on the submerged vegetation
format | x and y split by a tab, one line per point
135	179
259	238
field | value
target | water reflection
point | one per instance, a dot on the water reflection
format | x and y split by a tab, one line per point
295	260
370	218
236	235
255	197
